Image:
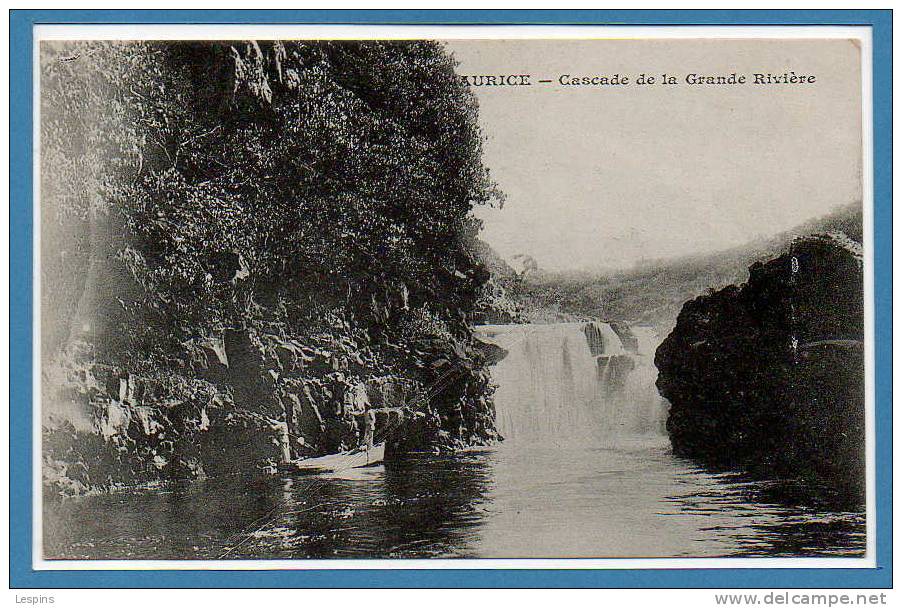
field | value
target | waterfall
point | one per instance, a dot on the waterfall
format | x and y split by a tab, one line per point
651	407
574	383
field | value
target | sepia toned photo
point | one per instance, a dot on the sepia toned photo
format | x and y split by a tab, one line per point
422	299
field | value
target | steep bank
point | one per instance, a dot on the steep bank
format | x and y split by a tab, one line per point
246	246
769	376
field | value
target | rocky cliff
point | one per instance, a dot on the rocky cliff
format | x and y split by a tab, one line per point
769	376
246	246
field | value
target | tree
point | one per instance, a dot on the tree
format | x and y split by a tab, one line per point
306	192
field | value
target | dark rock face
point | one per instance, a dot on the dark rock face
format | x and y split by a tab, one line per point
254	400
613	371
769	376
208	311
625	333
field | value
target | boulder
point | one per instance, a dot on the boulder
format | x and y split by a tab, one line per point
769	376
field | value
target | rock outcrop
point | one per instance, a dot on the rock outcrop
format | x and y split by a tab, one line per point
769	376
249	245
247	401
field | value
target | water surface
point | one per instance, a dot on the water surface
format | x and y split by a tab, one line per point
632	500
586	471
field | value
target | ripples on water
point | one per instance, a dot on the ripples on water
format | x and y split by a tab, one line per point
633	500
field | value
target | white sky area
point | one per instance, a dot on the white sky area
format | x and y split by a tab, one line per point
604	177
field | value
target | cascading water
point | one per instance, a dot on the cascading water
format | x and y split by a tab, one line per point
650	407
574	383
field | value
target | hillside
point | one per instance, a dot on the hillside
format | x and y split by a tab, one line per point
653	293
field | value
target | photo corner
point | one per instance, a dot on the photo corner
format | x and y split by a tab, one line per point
584	303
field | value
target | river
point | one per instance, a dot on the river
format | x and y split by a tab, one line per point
585	471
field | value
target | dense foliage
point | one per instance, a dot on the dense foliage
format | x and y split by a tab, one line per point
212	205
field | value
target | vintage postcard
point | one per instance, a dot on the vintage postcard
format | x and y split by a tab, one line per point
460	297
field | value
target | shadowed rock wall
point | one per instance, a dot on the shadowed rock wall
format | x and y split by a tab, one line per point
769	376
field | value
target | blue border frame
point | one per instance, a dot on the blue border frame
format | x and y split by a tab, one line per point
21	232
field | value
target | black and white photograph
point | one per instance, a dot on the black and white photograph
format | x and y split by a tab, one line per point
451	298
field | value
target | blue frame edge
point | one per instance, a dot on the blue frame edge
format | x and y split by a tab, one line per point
21	283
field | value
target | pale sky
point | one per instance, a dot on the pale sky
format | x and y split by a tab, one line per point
607	176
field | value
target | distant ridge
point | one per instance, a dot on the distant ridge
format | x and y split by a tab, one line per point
654	292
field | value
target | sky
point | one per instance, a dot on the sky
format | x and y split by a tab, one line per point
608	176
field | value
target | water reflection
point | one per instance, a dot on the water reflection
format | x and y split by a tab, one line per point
767	519
635	500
